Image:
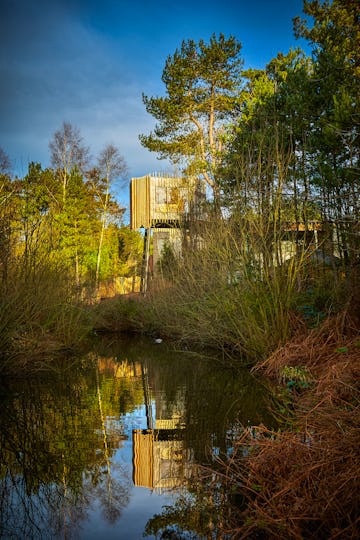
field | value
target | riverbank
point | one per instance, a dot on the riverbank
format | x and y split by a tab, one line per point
41	318
303	481
299	482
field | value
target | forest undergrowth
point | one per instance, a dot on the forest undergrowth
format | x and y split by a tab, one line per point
303	481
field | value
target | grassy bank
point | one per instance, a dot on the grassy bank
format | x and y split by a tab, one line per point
296	323
303	481
228	290
40	316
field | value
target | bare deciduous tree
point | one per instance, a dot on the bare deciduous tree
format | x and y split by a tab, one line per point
5	164
68	152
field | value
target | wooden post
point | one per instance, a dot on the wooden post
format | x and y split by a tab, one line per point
145	262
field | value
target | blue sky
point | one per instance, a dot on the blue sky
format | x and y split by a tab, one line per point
88	61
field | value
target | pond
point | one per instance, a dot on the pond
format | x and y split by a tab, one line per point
98	446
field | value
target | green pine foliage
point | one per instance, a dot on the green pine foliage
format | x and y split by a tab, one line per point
283	162
278	146
202	83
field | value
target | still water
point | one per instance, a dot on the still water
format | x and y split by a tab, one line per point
98	446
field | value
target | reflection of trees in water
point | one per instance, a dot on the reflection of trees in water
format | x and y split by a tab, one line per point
112	492
54	463
112	495
197	514
206	403
58	436
213	404
46	513
56	510
211	401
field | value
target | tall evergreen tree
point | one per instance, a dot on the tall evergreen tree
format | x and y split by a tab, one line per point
335	94
202	83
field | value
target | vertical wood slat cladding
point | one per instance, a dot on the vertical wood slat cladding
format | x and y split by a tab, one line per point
157	200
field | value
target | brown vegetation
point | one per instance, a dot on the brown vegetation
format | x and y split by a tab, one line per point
303	481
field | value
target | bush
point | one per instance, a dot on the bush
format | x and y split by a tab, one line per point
39	315
227	291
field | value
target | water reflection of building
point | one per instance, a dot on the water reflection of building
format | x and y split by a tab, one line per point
160	460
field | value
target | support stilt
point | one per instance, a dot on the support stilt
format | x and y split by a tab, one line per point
145	262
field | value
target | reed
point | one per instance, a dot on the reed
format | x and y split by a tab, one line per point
40	315
233	290
298	484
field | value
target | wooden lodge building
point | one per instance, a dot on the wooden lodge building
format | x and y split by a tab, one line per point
162	205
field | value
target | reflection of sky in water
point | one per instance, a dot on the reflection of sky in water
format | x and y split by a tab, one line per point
136	419
69	445
143	502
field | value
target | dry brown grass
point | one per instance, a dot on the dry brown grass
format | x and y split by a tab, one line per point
331	353
304	482
300	485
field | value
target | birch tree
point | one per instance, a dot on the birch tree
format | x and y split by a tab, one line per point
111	166
67	153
